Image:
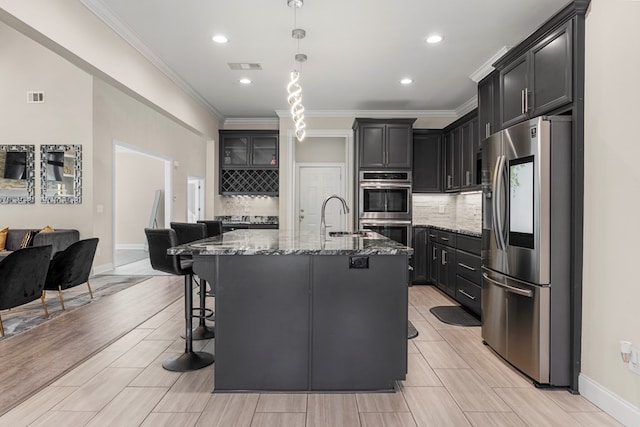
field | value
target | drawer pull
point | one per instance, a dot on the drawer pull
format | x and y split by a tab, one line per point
445	239
432	235
467	295
466	266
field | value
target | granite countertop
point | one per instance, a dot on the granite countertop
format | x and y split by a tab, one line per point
471	233
247	219
284	242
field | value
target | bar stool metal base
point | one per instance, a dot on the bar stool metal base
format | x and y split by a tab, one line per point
202	332
188	361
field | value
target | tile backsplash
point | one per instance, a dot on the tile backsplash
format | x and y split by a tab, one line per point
245	205
454	211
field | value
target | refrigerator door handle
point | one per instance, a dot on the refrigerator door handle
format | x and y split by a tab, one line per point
523	292
497	208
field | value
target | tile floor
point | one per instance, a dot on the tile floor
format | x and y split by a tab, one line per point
453	380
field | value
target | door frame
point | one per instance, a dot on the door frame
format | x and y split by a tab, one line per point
343	190
293	183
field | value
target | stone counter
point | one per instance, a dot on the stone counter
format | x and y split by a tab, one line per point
284	242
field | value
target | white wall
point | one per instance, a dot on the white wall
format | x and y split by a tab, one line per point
65	118
612	179
137	177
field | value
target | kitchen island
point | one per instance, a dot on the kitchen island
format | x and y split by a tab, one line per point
299	313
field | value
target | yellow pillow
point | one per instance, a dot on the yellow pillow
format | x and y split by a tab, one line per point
3	237
47	229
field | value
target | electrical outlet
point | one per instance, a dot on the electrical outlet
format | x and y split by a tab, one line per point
634	360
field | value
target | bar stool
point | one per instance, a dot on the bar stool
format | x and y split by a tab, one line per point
186	233
160	240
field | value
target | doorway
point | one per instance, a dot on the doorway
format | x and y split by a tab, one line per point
135	199
316	183
195	198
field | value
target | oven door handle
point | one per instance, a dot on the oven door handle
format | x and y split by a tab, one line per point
384	185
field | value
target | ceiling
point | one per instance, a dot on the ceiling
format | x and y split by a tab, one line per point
358	50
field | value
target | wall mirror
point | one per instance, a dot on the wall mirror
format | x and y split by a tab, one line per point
61	174
17	174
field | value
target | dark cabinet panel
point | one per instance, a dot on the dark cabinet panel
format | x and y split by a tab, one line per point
452	160
470	150
513	91
384	143
427	161
433	252
551	71
447	270
419	260
539	80
488	102
372	146
248	162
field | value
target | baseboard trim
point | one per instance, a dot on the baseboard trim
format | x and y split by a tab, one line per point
130	246
100	269
609	402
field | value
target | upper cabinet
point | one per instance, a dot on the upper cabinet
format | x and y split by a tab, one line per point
539	80
384	143
488	102
462	154
427	161
249	148
452	158
249	162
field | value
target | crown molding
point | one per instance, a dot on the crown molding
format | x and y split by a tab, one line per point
486	68
256	121
399	114
467	106
113	21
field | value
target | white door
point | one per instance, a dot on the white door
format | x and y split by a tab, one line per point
316	184
195	199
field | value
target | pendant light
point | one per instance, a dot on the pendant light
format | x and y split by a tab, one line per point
294	89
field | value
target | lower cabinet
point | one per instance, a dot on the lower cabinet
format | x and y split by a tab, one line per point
454	266
419	260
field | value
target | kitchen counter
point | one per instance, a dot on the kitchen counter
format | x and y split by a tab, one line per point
299	313
283	242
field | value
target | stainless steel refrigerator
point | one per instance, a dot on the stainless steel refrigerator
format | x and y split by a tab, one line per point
526	214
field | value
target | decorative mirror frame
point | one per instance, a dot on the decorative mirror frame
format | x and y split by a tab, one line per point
30	172
76	197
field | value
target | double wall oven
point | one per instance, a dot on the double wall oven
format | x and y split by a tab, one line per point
385	203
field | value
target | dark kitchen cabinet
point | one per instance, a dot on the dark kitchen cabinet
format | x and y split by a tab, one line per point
488	102
452	160
420	273
249	148
433	255
447	269
539	80
470	153
469	272
427	161
248	162
384	143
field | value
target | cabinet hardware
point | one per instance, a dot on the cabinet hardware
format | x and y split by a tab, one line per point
466	266
466	294
526	100
449	181
467	178
434	253
487	129
446	239
522	101
432	235
444	257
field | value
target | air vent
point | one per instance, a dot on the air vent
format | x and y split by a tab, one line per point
245	66
35	97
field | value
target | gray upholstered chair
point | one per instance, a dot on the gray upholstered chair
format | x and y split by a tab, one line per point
160	240
187	232
71	267
22	275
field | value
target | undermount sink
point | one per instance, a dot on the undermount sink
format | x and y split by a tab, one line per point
360	233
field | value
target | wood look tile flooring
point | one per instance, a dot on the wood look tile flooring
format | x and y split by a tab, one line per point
453	380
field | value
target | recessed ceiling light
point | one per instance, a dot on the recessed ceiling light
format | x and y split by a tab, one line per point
219	38
245	81
434	39
406	81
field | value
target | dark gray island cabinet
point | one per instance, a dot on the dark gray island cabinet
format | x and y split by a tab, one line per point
294	312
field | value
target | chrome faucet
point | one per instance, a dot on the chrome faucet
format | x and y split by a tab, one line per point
323	223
